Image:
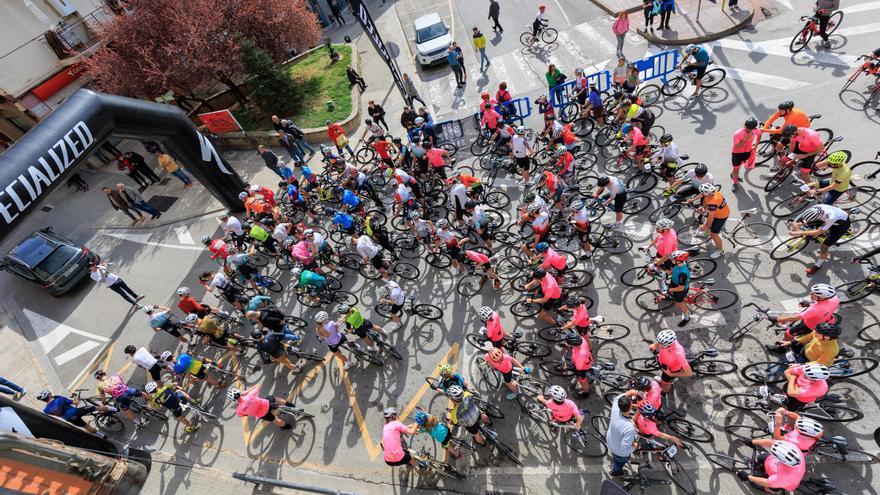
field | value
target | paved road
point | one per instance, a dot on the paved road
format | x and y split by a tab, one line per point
342	440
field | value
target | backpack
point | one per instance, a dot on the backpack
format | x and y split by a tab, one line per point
115	386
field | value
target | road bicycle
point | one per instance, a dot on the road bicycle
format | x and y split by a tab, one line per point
787	164
513	343
748	234
362	354
698	296
851	198
422	310
832	448
325	296
826	409
640	276
845	365
793	245
546	34
147	412
295	413
870	333
766	147
104	420
870	67
440	468
601	371
402	269
860	289
868	170
738	462
650	173
605	332
199	413
811	28
264	282
677	83
702	364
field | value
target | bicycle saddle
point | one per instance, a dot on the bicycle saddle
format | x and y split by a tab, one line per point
517	334
711	352
838	441
815	116
846	352
823	483
750	211
608	365
833	398
708	281
836	139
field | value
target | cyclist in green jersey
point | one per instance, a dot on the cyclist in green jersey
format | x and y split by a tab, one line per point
170	396
309	282
358	325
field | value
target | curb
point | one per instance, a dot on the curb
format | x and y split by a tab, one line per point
162	224
700	39
610	12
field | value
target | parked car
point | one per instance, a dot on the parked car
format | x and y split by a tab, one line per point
432	39
50	260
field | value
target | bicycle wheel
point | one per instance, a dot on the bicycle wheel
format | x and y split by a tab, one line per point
532	348
871	96
771	371
642	182
525	309
295	321
344	297
747	432
477	340
609	332
852	367
491	410
531	387
843	454
754	234
206	417
558	367
438	260
649	94
470	284
764	151
583	127
691	431
801	39
789	206
109	423
788	248
636	204
576	279
777	179
600	424
614	244
636	277
365	155
427	311
681	478
746	402
834	22
305	300
444	469
649	301
284	262
856	229
868	171
307	356
870	333
645	365
390	349
715	299
408	247
713	77
728	463
569	111
488	379
713	367
586	444
832	413
406	271
270	284
549	35
362	354
674	86
693	235
450	148
497	199
480	146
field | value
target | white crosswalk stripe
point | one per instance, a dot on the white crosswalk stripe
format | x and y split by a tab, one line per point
580	56
595	38
864	7
763	79
526	71
499	68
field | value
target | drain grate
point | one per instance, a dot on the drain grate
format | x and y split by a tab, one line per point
164	181
47	208
162	203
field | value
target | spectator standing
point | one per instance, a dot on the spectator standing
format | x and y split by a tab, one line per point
337	15
9	388
270	159
494	11
377	113
619	28
337	135
554	78
299	137
480	45
289	143
140	164
621	435
169	165
667	8
412	94
118	202
355	78
454	64
129	169
135	199
407	116
648	7
460	56
101	273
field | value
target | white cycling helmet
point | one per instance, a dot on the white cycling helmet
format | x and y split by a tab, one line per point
148	308
486	313
242	195
691	47
321	317
455	393
812	214
816	371
150	387
707	188
233	394
533	208
191	318
823	291
809	427
415	215
308	233
665	224
576	205
557	393
296	272
165	356
442	223
389	412
183	291
666	338
786	452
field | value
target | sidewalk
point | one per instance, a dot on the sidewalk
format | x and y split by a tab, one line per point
695	21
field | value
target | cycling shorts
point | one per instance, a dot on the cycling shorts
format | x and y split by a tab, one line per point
273	404
700	69
836	231
619	201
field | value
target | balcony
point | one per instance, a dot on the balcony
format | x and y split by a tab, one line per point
71	39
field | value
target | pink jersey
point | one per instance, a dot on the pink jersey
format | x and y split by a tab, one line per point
802	441
654	395
393	448
493	328
550	288
672	358
667	242
581	316
564	412
647	427
476	257
820	312
807	140
807	390
746	147
435	157
250	404
638	139
581	356
504	366
553	259
782	476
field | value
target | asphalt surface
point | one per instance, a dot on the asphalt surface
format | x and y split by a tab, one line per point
342	440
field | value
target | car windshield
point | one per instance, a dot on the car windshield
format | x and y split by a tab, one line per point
430	32
53	263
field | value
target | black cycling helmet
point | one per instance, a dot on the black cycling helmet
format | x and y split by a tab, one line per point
130	349
573	340
751	123
529	197
701	170
788	130
829	330
572	301
603	181
642	383
666	138
469	205
786	105
396	140
876	52
427	144
256	334
539	273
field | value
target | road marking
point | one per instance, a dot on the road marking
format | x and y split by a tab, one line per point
526	70
144	239
573	48
594	37
567	20
76	352
786	4
699	321
50	333
183	235
861	8
762	79
501	73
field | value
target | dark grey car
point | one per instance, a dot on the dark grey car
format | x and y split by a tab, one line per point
50	260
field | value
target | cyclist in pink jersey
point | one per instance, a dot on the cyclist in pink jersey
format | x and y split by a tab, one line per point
647	426
392	447
250	404
633	135
551	259
580	316
436	158
582	359
745	142
562	409
504	364
665	243
799	430
550	296
805	144
493	329
490	118
807	383
671	357
483	265
645	390
783	466
821	308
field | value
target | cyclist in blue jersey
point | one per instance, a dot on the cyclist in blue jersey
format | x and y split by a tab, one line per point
701	62
449	378
350	201
343	221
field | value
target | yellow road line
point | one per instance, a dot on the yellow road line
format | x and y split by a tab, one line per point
93	367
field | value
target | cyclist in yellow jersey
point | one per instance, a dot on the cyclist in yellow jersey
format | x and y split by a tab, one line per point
841	177
819	346
170	396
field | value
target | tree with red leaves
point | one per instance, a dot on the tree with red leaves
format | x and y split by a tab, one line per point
166	45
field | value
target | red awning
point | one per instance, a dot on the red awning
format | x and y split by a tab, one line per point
58	82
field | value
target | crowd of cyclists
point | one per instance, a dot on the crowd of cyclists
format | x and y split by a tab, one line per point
523	211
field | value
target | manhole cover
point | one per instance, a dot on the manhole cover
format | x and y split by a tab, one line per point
162	203
164	181
47	208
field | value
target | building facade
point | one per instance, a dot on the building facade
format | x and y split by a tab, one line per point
42	44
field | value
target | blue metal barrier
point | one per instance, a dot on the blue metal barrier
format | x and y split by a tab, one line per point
657	66
522	108
560	94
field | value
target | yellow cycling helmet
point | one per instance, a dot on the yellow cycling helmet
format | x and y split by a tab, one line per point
445	370
836	158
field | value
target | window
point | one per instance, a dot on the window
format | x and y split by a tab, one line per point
19	270
19	123
55	261
430	32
